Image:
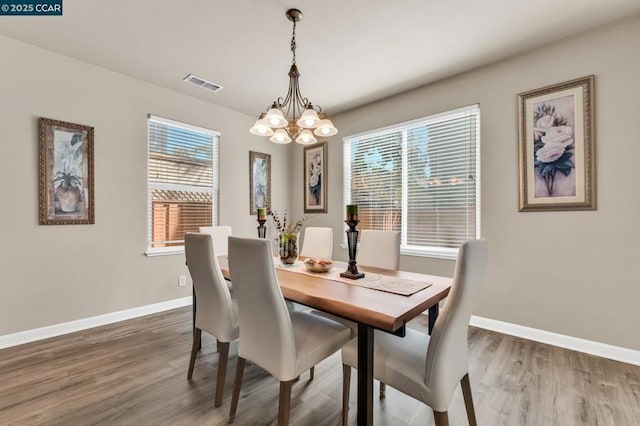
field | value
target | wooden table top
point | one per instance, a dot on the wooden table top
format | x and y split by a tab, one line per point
386	311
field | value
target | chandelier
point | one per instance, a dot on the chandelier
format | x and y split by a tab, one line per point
293	117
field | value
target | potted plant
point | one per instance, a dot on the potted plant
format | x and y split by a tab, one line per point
67	187
288	237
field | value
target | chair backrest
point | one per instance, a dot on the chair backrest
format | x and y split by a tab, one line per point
447	359
266	334
214	313
219	236
318	242
380	249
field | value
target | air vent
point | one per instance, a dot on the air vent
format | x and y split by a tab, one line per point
201	82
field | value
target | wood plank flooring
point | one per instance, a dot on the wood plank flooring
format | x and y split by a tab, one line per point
135	373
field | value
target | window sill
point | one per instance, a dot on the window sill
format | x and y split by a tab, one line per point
164	251
447	254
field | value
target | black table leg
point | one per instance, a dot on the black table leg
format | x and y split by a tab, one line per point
365	375
433	315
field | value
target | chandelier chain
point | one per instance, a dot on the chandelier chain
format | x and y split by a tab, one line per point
293	42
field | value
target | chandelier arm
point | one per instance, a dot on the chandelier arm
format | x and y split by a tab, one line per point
304	102
300	102
290	95
287	100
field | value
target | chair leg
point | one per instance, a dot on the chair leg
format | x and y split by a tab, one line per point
223	357
468	400
441	418
197	333
236	389
284	403
383	388
346	383
311	373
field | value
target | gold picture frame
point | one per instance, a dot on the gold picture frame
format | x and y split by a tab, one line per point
65	173
259	181
315	178
557	147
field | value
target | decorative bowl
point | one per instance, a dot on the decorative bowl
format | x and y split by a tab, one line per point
318	265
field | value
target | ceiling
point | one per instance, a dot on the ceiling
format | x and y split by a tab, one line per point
349	52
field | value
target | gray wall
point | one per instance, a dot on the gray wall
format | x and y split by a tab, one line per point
53	274
573	273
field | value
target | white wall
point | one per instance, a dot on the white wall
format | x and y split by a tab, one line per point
573	273
53	274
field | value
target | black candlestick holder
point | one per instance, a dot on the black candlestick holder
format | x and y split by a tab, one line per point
352	240
262	230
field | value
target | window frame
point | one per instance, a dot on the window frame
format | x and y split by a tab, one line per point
420	251
215	190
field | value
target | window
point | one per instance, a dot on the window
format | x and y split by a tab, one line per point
420	178
182	183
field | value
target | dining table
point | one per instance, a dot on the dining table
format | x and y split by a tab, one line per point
371	309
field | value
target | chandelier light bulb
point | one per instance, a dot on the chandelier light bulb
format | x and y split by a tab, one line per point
309	119
306	138
261	129
280	136
275	117
326	128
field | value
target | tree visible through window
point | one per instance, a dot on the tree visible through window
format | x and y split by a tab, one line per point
418	178
376	183
182	181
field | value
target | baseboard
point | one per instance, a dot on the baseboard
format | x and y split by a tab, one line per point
604	350
28	336
616	353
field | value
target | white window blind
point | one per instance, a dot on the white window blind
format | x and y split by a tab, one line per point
182	182
419	178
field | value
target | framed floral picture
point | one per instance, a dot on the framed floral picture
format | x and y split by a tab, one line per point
315	178
557	147
259	181
66	173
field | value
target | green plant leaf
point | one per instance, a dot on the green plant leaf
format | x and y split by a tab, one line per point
565	172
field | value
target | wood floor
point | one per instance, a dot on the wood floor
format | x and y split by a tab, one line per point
135	373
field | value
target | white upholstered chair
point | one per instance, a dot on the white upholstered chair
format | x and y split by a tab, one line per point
282	343
219	236
217	312
429	368
318	242
380	249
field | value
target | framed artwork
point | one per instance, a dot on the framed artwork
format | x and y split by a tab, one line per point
557	147
259	181
315	178
66	173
